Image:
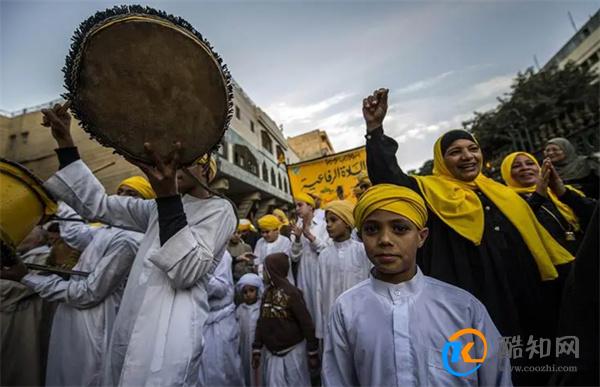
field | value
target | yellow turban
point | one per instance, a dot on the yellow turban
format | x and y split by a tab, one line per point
304	197
269	223
393	198
139	184
343	209
212	167
245	225
281	215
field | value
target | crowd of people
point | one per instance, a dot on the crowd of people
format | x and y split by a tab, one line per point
180	292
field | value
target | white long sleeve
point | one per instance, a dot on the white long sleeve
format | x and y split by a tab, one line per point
77	186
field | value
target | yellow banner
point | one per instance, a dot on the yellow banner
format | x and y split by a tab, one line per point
331	177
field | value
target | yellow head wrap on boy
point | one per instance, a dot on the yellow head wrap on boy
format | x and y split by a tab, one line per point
304	197
393	198
269	223
342	209
281	216
140	185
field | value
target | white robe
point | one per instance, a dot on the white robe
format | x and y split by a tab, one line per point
281	245
341	266
87	308
307	254
247	316
157	336
220	363
288	370
381	334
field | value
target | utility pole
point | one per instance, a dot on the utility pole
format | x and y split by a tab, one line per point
572	21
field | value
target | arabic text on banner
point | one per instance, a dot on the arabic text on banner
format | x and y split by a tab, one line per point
331	177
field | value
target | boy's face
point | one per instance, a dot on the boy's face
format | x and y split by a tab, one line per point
336	228
249	294
236	237
270	236
391	242
303	210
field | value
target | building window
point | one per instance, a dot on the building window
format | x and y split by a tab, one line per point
265	172
237	112
280	155
252	126
273	180
285	186
279	181
244	158
267	143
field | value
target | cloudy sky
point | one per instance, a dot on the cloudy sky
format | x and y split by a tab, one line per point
308	64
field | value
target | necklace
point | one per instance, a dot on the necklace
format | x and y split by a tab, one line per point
569	234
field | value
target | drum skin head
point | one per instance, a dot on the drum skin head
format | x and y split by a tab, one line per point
137	75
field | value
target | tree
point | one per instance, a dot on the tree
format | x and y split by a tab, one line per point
549	103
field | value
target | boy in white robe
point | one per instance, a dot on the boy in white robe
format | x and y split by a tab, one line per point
341	265
271	242
309	238
400	327
220	363
157	336
247	313
87	307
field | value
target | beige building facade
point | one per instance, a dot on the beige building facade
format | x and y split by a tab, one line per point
583	48
251	159
311	145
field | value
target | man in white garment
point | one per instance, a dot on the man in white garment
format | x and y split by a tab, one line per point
24	320
271	242
157	335
221	363
309	239
400	327
87	306
341	265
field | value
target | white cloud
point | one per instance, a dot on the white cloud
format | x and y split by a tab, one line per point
493	87
290	114
424	84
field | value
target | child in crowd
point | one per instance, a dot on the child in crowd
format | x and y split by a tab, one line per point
341	265
271	242
285	328
251	288
397	327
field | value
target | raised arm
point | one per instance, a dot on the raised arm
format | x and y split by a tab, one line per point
110	272
75	232
77	186
192	251
381	150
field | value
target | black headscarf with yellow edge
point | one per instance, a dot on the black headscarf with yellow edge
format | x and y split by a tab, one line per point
456	203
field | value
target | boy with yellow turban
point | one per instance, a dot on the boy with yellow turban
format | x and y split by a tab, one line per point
309	238
341	265
157	337
271	242
396	328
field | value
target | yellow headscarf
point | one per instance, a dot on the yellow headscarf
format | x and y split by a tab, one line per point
269	223
246	225
139	184
212	167
281	216
304	197
456	204
343	209
393	198
564	210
